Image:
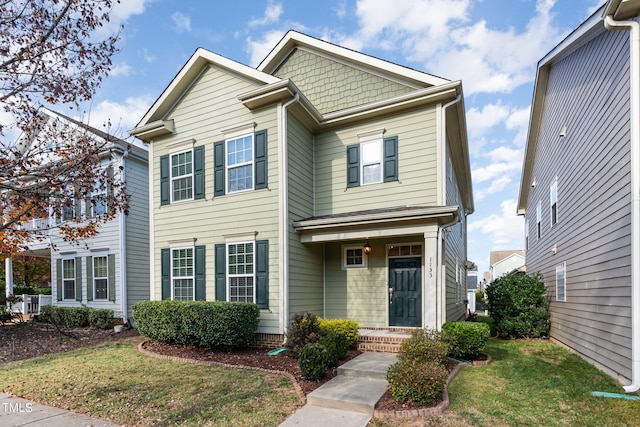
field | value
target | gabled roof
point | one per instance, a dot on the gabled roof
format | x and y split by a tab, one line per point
581	35
153	120
293	40
498	256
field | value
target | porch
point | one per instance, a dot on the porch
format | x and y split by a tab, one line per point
30	304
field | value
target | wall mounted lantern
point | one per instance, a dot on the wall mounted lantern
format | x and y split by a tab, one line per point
367	247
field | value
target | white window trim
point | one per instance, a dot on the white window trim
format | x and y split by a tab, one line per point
75	274
227	181
226	266
539	220
172	178
93	274
562	268
346	248
380	160
551	201
192	277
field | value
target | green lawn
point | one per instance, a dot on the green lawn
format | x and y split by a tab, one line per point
115	382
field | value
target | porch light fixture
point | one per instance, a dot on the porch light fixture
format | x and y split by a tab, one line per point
367	247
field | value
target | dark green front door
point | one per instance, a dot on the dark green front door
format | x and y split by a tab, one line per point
405	289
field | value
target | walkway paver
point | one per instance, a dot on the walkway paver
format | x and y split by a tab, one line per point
15	411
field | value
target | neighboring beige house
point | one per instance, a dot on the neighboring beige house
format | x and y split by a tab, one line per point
503	262
580	189
324	180
111	269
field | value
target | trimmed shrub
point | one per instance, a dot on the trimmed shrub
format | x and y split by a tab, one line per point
200	323
465	339
314	361
100	318
416	382
425	346
337	346
303	329
349	328
68	317
518	306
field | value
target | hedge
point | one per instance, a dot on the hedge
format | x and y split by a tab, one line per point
77	317
465	340
349	328
213	324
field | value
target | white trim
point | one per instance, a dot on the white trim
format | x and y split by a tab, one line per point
182	243
193	270
228	276
379	160
188	175
371	135
365	257
240	237
554	183
75	275
239	131
179	146
561	269
93	275
227	181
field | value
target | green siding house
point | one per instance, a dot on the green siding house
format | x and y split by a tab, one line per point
323	180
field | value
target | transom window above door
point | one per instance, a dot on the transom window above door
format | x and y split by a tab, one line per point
405	250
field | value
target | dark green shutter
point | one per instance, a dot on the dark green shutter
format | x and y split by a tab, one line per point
200	270
165	197
391	159
77	204
260	162
262	274
59	279
218	168
165	267
87	206
109	184
89	278
111	276
198	172
78	278
353	165
220	273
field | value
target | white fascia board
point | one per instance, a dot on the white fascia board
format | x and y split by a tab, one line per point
194	66
293	39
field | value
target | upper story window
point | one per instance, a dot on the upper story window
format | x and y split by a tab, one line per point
182	176
240	164
526	234
538	219
371	154
98	201
553	202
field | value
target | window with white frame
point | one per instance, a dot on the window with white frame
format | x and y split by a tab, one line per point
182	176
100	277
69	278
371	164
68	210
98	201
240	164
539	220
353	257
182	274
553	202
240	269
561	282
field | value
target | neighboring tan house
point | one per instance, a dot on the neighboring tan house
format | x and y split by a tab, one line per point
111	269
325	180
503	262
580	189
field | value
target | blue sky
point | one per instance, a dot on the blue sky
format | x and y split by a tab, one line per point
493	46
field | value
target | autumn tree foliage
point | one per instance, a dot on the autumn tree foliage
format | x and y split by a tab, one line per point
52	53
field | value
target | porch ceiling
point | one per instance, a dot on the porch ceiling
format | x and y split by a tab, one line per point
400	221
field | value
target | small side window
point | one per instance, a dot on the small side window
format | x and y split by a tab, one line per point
354	257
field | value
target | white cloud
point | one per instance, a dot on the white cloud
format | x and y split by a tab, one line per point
341	9
259	49
480	121
123	69
519	120
148	58
120	13
121	116
181	22
271	15
497	185
504	229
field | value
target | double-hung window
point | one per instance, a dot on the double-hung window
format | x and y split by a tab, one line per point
182	273
553	202
240	164
101	277
371	164
240	268
182	176
539	220
69	279
98	201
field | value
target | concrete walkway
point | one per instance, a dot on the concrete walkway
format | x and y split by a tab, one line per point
15	411
348	400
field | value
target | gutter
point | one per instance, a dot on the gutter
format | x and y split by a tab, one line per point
123	250
611	24
283	222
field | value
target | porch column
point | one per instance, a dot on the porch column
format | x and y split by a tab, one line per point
8	276
431	270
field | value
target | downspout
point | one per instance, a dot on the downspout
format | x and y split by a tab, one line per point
611	24
283	237
440	282
123	249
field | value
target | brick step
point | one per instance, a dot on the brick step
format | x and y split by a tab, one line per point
379	347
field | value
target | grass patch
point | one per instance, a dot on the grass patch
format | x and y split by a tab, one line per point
115	382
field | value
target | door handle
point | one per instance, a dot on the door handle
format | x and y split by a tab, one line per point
390	295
